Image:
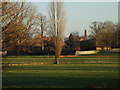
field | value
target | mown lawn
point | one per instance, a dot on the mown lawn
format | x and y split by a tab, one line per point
64	60
61	76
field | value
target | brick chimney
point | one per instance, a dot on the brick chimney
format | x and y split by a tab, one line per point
85	34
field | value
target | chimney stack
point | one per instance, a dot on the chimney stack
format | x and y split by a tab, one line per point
85	34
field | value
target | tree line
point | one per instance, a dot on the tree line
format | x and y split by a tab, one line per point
20	22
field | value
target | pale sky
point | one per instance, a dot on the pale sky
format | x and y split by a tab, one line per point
80	15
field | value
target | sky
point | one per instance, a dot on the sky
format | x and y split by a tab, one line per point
80	15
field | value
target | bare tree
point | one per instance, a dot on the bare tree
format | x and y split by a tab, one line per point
103	33
95	30
109	28
18	22
57	17
43	26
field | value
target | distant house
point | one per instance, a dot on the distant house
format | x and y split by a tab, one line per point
81	44
84	44
82	39
35	46
89	44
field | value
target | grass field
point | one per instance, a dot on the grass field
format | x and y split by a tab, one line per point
64	60
65	75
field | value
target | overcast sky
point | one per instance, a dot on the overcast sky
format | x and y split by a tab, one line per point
80	15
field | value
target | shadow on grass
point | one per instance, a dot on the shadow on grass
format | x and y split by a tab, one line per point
58	82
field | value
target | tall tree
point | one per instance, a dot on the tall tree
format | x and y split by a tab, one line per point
57	25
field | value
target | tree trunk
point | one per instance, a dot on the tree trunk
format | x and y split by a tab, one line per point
42	33
18	51
42	45
56	60
102	48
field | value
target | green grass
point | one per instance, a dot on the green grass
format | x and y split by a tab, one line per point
63	60
64	75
